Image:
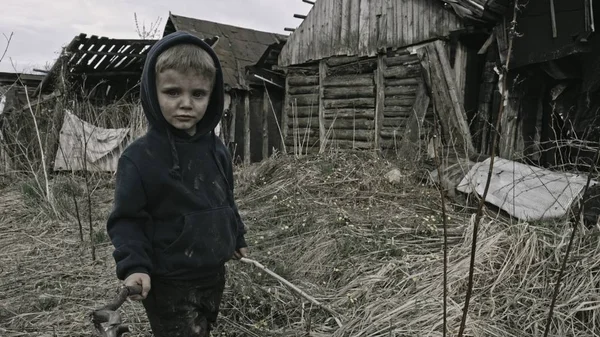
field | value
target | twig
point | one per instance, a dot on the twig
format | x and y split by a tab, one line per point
39	138
569	246
8	39
78	216
445	224
479	214
293	287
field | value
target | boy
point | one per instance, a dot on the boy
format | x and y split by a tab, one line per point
175	223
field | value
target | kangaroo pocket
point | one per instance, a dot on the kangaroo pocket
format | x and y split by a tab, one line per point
206	241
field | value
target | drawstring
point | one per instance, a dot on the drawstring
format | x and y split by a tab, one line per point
175	171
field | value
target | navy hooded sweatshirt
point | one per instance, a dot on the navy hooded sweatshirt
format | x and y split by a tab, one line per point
174	215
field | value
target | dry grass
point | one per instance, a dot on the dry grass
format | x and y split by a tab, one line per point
339	230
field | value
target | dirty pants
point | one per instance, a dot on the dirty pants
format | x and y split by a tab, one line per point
184	308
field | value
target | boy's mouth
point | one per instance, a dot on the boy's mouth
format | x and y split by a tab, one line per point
183	118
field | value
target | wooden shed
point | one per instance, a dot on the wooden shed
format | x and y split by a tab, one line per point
252	104
359	75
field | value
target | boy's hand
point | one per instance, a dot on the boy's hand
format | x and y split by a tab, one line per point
242	252
141	279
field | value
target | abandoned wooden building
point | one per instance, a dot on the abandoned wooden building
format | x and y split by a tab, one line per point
368	74
353	83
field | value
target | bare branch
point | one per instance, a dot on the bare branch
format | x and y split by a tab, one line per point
8	39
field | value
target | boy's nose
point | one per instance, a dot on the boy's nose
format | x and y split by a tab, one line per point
186	102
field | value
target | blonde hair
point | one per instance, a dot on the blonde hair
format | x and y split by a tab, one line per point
187	57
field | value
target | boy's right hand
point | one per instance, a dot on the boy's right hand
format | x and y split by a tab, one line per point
140	279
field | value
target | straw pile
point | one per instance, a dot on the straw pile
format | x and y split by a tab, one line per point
337	228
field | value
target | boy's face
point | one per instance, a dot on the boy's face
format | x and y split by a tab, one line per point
183	98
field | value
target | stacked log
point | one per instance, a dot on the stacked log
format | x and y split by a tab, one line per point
302	110
349	93
402	76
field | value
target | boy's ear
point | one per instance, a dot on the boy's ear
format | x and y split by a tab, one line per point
212	41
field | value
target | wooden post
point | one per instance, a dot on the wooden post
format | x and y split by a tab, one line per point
233	106
460	117
380	100
247	127
265	124
322	131
285	114
417	116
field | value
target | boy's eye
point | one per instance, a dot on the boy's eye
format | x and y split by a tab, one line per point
199	94
172	92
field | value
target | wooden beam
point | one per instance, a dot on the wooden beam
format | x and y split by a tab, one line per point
247	127
460	117
300	16
289	29
308	2
322	131
232	110
380	100
285	114
417	117
265	125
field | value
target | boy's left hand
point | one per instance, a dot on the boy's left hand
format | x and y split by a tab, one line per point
242	252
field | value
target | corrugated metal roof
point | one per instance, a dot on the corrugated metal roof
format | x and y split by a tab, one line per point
237	48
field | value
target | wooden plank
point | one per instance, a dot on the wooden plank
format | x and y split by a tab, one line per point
460	74
349	92
345	46
341	60
411	71
352	124
322	134
399	101
391	22
361	135
350	113
434	81
303	90
337	41
402	81
380	100
233	108
304	100
247	154
350	103
302	80
348	81
392	112
419	109
400	60
363	27
285	114
460	116
354	35
405	90
304	111
392	133
265	125
395	123
303	122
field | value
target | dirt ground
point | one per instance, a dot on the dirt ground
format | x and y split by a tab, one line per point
334	226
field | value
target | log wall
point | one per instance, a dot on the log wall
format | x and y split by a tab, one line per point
354	103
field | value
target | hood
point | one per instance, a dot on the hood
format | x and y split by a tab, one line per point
149	96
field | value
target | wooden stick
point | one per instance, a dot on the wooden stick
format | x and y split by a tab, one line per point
293	287
553	16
